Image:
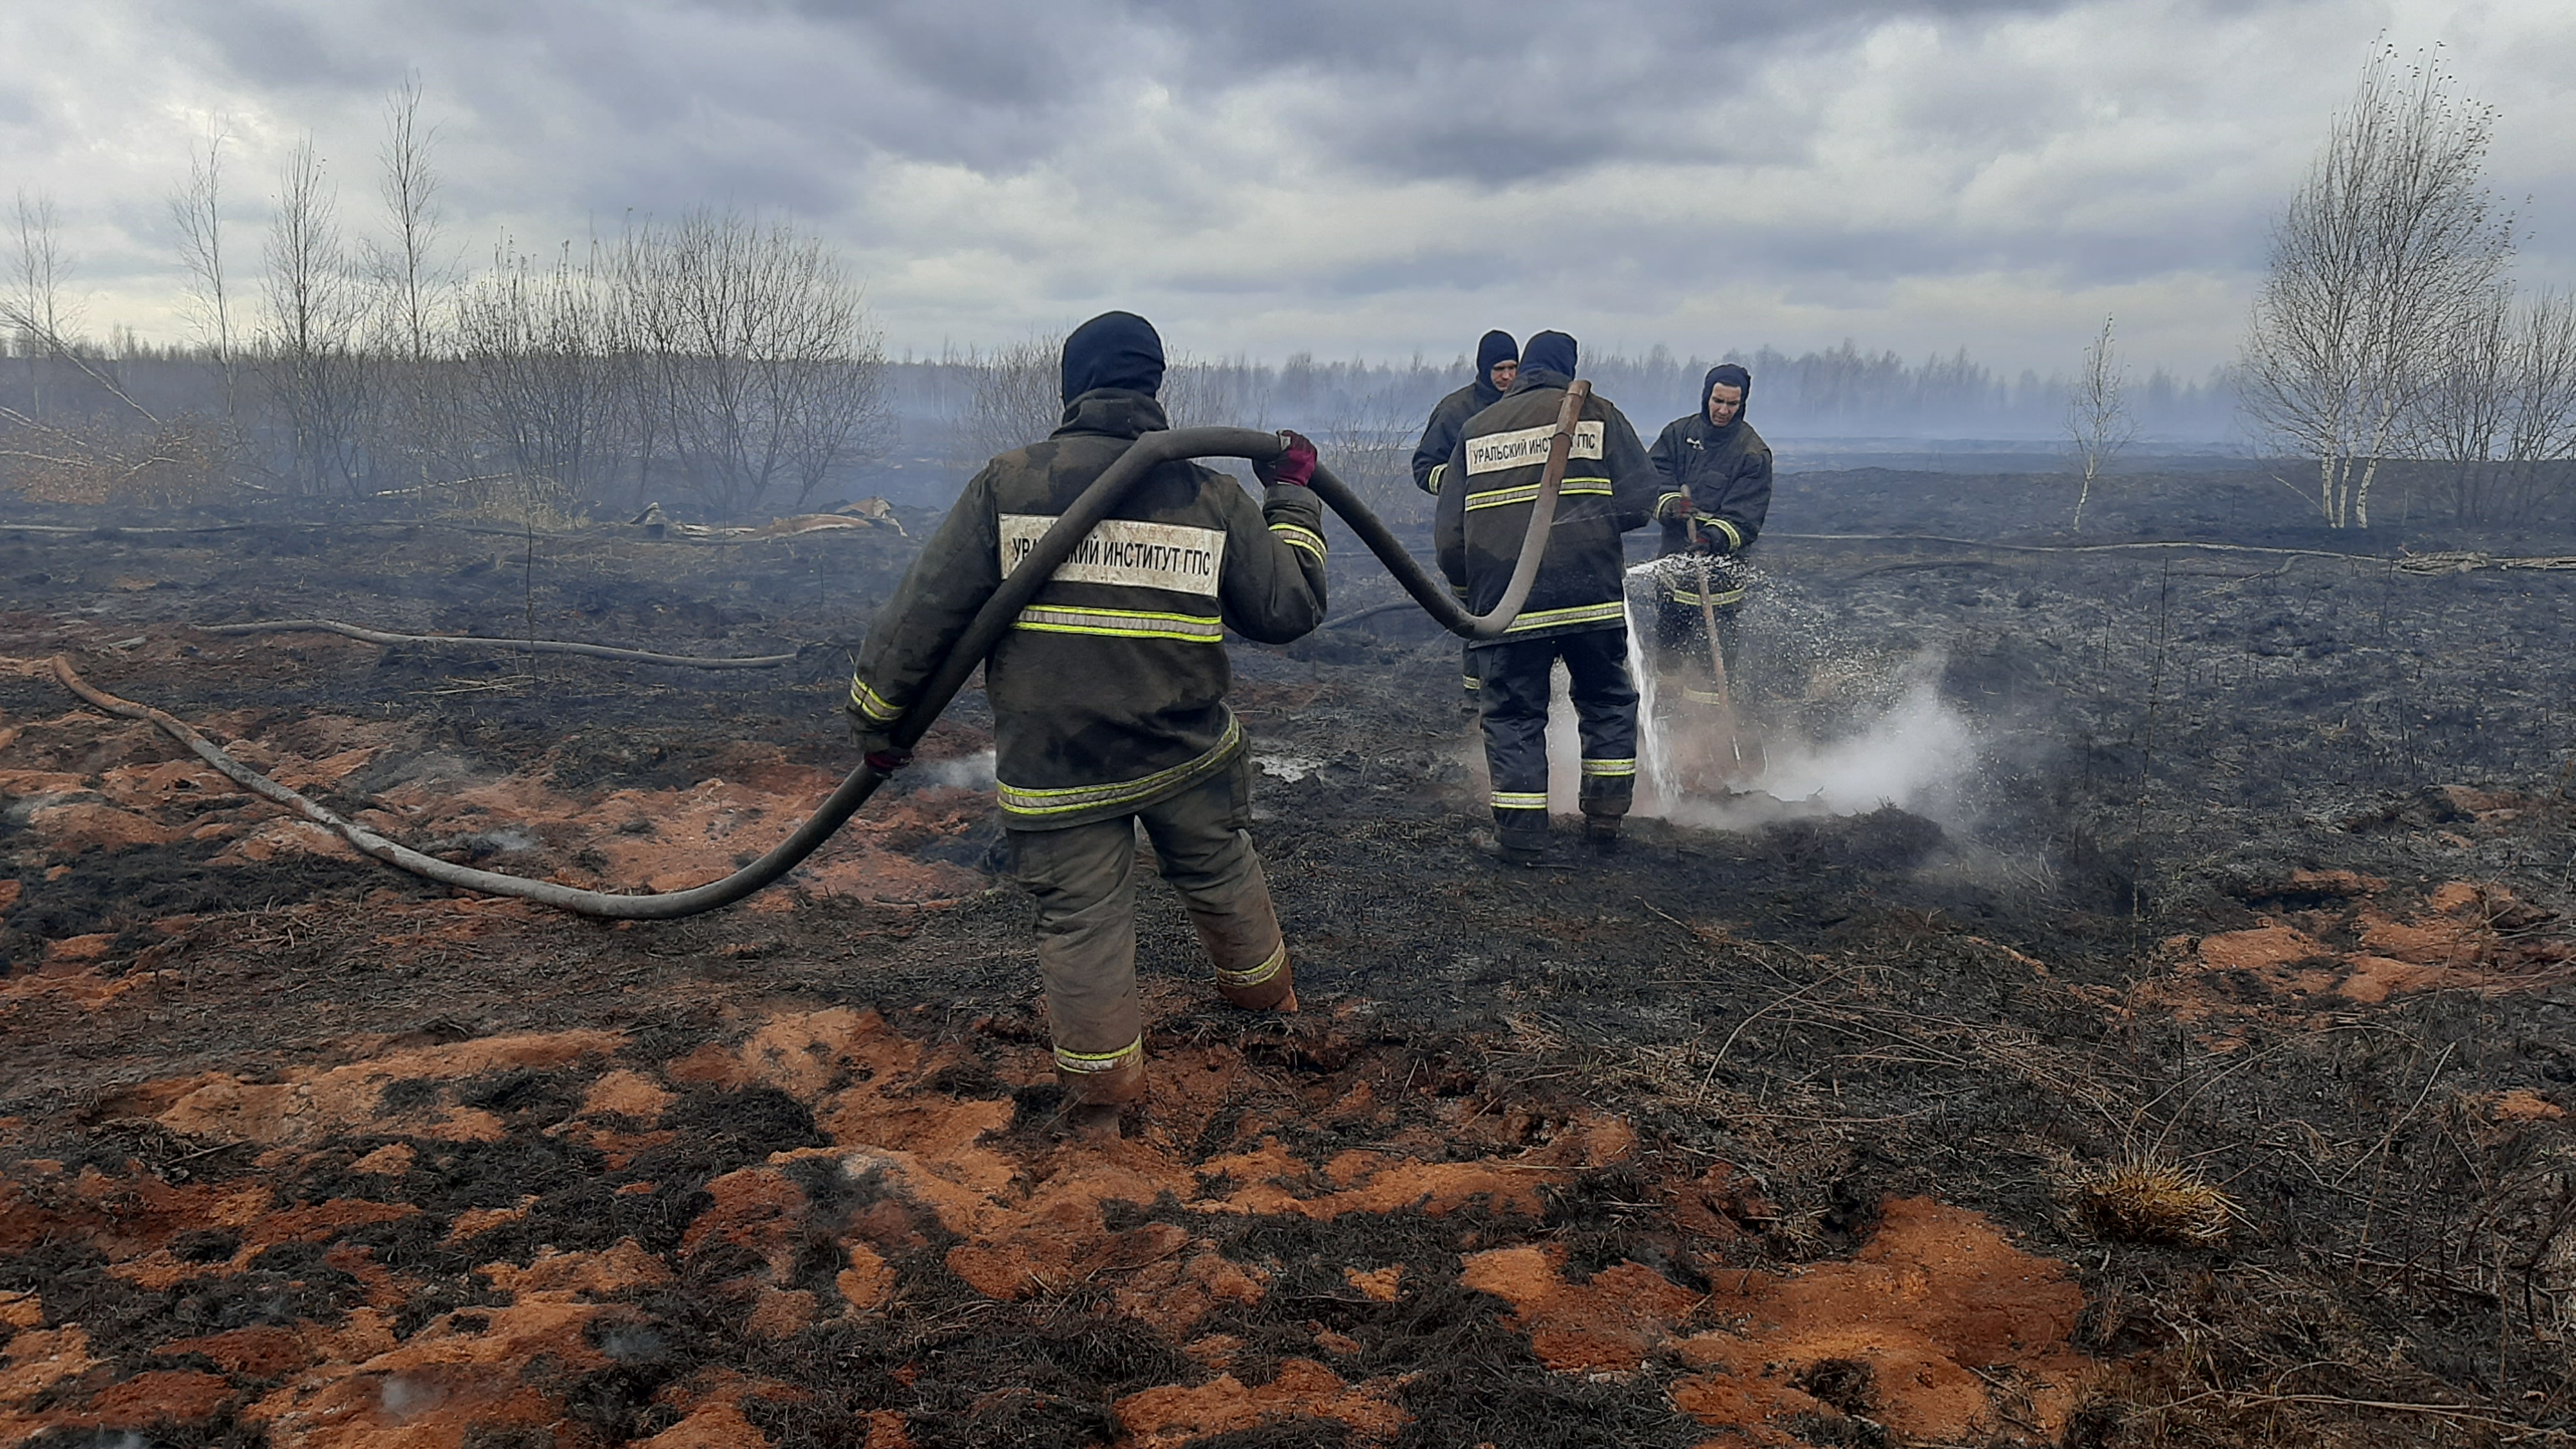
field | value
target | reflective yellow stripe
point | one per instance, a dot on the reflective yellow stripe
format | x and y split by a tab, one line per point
872	704
1609	613
1610	767
1258	974
1664	502
1474	683
1299	536
1121	623
1734	536
1520	799
1016	800
1693	596
1085	1062
1431	480
1528	493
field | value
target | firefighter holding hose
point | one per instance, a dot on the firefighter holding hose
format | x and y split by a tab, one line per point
1713	476
1108	696
1498	361
1576	610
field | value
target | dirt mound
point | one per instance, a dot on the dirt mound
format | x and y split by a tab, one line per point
821	1217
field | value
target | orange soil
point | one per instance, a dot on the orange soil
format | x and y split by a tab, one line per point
1936	1294
2460	936
129	791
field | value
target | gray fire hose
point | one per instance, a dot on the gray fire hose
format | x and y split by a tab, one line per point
999	612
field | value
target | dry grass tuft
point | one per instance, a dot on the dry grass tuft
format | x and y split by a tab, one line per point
2139	1200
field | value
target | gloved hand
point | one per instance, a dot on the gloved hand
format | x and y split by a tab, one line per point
1680	506
876	744
1294	466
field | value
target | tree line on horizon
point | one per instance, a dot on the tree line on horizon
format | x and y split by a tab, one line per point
724	362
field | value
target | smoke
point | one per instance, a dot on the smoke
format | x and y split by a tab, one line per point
1917	754
966	772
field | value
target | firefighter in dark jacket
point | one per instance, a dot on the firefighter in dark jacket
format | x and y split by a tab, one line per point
1497	363
1713	476
1576	611
1108	695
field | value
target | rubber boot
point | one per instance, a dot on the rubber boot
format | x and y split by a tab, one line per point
1095	1100
1601	832
1277	992
1525	848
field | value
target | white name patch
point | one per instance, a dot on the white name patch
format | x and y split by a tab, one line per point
1497	451
1171	556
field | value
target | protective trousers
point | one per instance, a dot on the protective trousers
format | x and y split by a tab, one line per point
1680	655
1515	699
1084	878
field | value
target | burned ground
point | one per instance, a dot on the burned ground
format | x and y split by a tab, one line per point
1766	1133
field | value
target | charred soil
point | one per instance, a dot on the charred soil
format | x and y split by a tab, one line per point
1794	1122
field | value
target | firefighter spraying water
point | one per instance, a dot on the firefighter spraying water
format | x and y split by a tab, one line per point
1714	491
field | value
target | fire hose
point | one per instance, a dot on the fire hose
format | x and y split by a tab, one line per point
999	612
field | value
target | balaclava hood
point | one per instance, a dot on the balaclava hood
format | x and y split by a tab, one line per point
1733	376
1114	349
1498	346
1549	352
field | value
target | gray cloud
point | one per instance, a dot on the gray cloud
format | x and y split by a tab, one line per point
1322	173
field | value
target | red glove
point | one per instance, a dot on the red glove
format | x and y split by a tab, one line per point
1680	507
1295	466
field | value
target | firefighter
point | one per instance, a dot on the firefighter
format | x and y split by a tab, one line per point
1497	363
1108	696
1713	476
1576	610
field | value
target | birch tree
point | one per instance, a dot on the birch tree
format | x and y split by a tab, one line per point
413	280
2389	242
2098	424
312	308
2495	419
197	213
38	304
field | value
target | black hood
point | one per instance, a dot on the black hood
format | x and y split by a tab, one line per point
1734	376
1549	352
1114	349
1496	346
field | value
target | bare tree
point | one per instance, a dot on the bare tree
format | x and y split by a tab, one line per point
312	308
2098	425
2496	410
92	444
539	378
196	210
1015	398
37	305
1369	445
758	363
2392	238
1203	392
413	281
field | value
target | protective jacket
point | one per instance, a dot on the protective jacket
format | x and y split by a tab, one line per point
1449	418
1493	483
1108	691
1726	474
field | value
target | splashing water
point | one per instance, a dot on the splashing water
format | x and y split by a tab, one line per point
1899	742
1914	755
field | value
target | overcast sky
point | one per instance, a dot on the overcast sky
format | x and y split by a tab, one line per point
1354	177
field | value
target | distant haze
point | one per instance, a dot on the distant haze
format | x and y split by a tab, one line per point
1341	179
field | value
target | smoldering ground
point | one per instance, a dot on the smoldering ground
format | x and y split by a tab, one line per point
2262	872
